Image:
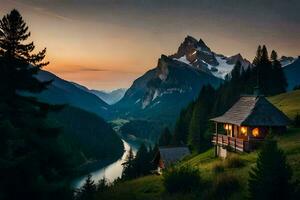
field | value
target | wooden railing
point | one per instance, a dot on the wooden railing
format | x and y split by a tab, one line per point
224	140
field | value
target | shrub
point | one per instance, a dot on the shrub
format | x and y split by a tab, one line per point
181	179
234	161
296	121
218	168
224	185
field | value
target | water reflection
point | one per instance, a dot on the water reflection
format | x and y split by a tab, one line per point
110	172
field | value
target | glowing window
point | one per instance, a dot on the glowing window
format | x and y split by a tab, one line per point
244	130
226	127
255	132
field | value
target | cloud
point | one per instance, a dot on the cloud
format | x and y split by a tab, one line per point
88	69
40	10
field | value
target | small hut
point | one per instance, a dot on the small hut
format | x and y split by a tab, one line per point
245	125
167	156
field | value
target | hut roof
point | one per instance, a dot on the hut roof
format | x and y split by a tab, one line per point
171	155
253	111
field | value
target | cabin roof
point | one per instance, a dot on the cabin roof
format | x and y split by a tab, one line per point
253	111
171	155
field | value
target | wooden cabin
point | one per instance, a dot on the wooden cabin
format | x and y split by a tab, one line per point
167	156
245	125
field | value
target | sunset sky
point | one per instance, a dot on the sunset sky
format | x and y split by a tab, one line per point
106	44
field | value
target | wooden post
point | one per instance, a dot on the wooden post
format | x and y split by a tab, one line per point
234	144
217	136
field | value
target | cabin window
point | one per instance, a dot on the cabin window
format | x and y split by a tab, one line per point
255	132
244	130
227	127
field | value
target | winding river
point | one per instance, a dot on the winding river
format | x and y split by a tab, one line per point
112	171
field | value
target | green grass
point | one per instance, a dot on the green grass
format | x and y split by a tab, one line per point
288	102
151	187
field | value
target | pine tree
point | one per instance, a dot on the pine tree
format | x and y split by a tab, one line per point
199	121
280	83
258	56
270	179
34	165
182	126
87	191
129	166
165	137
297	121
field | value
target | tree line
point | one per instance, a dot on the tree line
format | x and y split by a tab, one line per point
264	75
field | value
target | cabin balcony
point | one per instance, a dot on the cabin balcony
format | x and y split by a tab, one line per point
236	144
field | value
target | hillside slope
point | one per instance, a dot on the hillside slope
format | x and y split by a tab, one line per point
288	102
88	133
64	92
151	187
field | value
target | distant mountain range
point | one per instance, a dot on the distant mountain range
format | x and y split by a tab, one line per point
292	73
64	92
163	91
108	97
177	79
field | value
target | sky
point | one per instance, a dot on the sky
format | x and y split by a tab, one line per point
107	44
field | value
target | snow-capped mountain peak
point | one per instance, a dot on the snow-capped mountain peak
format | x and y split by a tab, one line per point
199	55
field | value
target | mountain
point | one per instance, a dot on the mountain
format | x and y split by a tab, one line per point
292	73
64	92
110	97
286	60
162	92
88	134
199	55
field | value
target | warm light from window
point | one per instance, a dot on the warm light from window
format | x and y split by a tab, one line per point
255	132
244	130
227	127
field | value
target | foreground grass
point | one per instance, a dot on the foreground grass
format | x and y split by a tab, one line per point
151	187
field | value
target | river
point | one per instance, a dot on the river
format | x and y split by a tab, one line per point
112	171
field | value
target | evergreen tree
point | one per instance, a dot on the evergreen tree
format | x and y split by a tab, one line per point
199	121
33	164
297	121
142	162
87	191
258	56
129	166
182	126
270	179
280	83
165	138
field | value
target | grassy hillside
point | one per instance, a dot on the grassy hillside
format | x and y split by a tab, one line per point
288	102
151	187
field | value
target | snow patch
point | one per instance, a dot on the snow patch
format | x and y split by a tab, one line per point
137	101
223	68
183	59
287	62
156	94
